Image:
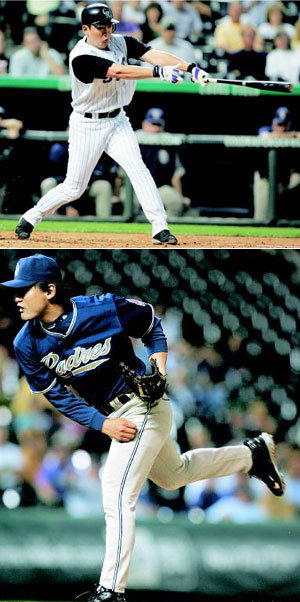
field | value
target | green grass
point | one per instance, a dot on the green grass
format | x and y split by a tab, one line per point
179	229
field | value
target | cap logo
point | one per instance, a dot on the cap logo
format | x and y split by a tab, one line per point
156	114
106	12
17	269
282	113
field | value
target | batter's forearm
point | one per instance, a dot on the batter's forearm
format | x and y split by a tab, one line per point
163	59
129	72
154	57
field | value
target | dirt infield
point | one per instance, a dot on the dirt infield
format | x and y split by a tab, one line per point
62	240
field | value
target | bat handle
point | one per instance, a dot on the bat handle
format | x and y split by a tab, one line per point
212	80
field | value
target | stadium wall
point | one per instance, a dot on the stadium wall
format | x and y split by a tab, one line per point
48	549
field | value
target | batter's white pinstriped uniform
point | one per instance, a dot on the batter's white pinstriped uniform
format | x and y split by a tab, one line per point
90	137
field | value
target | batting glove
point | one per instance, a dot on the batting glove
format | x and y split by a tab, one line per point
200	77
168	74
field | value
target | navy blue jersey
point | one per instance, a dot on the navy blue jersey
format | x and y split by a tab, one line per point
75	361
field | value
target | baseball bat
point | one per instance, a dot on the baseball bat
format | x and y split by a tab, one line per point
259	85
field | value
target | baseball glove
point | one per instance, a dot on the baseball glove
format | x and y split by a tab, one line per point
150	387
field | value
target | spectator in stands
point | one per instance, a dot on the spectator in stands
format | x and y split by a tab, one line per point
12	163
151	27
56	471
31	436
37	14
124	27
12	126
11	462
275	24
292	478
82	497
238	508
102	182
187	19
254	11
228	33
282	62
13	18
203	8
210	13
9	374
247	63
170	42
295	41
36	58
287	177
4	60
280	127
63	25
257	419
164	165
37	9
133	12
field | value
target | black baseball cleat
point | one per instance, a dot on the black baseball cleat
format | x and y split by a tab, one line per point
264	467
23	229
164	237
107	595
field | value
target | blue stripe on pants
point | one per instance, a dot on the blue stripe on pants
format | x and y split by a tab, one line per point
120	500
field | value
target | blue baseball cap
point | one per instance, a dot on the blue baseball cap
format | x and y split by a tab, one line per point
33	269
155	116
282	116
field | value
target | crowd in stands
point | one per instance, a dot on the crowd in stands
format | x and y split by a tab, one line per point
239	39
233	371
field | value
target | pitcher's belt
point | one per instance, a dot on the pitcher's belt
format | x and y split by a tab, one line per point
119	401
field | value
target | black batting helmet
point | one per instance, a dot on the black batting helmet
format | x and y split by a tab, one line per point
98	14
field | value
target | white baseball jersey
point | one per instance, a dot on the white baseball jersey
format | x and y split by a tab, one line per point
101	95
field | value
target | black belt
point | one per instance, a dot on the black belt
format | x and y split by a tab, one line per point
102	115
123	398
107	409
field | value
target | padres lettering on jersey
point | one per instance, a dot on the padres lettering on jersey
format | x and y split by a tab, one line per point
73	365
101	95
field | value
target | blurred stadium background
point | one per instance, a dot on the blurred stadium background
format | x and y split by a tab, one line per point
231	320
216	127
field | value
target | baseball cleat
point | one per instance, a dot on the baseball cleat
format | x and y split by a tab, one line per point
23	229
103	594
264	467
164	237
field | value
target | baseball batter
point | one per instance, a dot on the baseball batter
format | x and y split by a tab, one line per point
102	84
73	351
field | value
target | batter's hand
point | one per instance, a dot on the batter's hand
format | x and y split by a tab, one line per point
200	77
168	73
120	429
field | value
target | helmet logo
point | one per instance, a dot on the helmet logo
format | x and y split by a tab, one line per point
106	12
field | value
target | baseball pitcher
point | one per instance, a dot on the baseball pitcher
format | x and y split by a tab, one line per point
102	84
78	353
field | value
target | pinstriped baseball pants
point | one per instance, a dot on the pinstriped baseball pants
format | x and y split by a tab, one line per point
88	139
151	455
